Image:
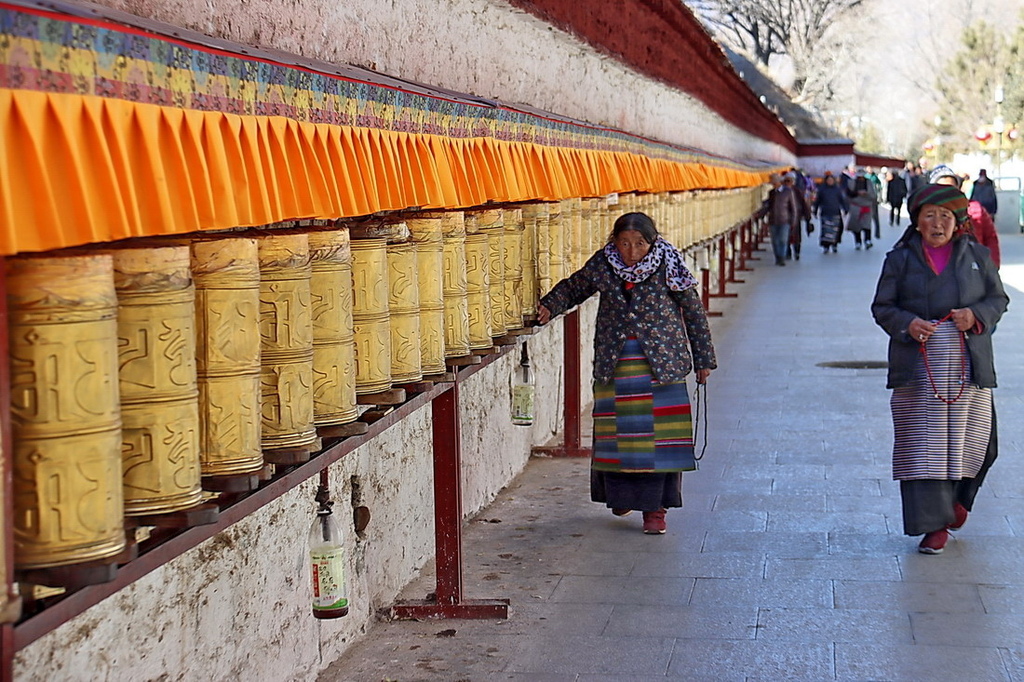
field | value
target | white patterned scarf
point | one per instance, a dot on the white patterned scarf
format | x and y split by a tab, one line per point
676	273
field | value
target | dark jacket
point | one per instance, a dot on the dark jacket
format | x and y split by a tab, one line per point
985	194
895	190
784	206
668	324
831	201
907	288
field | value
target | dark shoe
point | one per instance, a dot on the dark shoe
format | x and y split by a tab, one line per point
857	247
835	249
868	245
797	256
654	522
622	512
826	250
933	543
961	517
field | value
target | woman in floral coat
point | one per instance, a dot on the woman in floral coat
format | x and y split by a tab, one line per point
651	332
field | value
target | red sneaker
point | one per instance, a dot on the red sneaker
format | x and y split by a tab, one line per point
934	542
654	522
961	517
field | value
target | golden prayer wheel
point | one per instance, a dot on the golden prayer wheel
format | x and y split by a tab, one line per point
370	315
226	275
513	257
286	341
65	414
573	226
491	223
456	305
587	228
531	252
157	379
404	304
427	235
607	221
334	351
478	290
559	267
542	236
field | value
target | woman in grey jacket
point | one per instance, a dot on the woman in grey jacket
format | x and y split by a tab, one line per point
649	320
939	298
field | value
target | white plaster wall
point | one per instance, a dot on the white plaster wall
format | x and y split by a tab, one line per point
482	47
817	165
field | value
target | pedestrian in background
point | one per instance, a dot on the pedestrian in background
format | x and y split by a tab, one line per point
895	194
792	180
862	198
984	192
983	227
830	205
872	176
651	332
783	214
939	298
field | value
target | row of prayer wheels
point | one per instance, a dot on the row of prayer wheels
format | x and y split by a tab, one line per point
142	374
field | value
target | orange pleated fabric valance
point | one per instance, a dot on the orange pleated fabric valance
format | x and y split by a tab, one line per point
78	169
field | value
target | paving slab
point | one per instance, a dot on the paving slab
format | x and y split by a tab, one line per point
787	560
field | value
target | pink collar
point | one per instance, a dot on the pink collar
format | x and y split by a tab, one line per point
938	256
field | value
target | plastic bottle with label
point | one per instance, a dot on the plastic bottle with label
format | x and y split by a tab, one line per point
523	392
327	559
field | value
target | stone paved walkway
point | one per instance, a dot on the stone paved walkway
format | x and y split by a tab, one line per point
787	561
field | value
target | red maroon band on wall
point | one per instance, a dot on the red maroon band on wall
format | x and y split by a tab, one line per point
662	39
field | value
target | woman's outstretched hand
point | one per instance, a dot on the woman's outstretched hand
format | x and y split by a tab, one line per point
543	314
702	375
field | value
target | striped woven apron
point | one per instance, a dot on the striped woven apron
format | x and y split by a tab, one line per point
641	425
935	440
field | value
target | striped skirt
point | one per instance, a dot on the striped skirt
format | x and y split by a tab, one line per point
935	440
640	425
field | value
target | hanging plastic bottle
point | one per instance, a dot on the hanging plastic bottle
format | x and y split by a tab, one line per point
522	392
327	558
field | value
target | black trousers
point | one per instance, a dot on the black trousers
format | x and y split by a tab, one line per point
894	213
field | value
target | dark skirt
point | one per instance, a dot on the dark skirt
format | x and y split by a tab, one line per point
642	492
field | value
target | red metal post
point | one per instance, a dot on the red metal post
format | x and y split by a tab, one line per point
448	496
721	277
705	293
734	255
448	601
572	445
